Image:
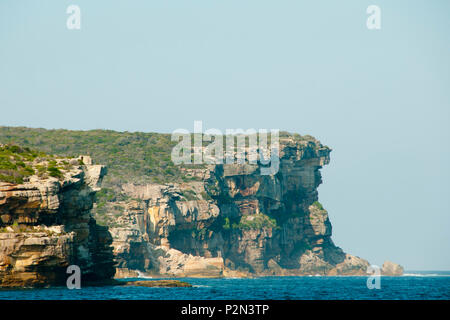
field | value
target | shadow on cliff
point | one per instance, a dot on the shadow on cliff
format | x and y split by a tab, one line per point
102	253
322	254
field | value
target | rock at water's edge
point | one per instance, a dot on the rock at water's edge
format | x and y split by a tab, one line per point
391	269
158	283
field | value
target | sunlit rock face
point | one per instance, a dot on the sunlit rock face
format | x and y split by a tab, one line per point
46	225
391	269
234	221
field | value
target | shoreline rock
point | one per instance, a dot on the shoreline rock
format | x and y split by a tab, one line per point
391	269
46	225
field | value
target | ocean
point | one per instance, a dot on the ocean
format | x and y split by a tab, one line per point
412	286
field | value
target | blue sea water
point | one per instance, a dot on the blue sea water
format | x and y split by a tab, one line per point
411	286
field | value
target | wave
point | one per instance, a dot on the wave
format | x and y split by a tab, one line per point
201	286
425	275
142	275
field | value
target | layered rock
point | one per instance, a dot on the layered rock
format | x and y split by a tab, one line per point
391	269
235	221
46	225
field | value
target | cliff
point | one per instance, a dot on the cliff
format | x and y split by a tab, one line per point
45	220
233	221
205	220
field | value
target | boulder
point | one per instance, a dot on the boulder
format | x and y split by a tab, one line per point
391	269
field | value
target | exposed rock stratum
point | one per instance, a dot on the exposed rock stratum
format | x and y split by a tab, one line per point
233	221
46	225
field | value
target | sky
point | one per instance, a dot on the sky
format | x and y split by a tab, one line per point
379	98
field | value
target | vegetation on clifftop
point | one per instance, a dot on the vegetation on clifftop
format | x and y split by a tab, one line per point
131	157
17	163
13	163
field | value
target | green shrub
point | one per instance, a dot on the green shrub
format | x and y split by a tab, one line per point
259	221
54	172
131	157
11	179
20	164
227	225
318	205
29	170
16	163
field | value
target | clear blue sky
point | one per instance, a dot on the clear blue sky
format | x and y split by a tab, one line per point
380	99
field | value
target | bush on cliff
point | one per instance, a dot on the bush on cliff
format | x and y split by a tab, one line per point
131	157
53	171
17	163
318	205
14	163
256	221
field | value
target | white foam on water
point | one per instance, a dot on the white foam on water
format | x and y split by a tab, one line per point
201	286
142	275
425	275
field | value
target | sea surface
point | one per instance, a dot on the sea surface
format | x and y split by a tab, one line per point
413	285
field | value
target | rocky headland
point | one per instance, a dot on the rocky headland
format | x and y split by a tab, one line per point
151	218
232	221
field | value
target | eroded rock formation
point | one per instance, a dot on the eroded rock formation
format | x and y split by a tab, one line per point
46	225
234	221
391	269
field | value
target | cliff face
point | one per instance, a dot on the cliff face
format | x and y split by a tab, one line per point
46	225
234	221
164	219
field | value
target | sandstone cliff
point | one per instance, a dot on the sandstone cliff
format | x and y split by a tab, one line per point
46	224
233	221
207	220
